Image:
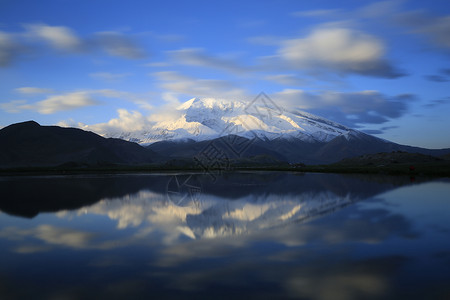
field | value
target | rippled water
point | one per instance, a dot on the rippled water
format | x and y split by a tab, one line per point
238	235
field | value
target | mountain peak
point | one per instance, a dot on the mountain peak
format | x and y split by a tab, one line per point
30	123
209	103
208	118
19	127
187	104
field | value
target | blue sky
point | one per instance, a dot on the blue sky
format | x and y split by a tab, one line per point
380	67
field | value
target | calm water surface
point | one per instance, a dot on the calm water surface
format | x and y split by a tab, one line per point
241	235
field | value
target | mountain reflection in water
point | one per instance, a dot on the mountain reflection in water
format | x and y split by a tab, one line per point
245	235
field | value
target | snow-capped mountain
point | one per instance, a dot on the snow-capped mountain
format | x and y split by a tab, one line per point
208	118
214	217
263	129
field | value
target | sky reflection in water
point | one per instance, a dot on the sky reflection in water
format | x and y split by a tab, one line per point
265	235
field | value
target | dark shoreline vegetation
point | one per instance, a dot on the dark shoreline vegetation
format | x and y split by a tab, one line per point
430	169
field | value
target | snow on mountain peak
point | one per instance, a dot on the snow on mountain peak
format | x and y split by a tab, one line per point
208	118
186	104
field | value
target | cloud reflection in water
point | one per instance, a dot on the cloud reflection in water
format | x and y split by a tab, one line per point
333	237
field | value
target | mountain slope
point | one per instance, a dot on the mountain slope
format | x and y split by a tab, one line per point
294	150
237	132
293	136
30	144
206	119
232	146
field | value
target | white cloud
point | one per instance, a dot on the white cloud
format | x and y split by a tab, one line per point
333	45
64	102
170	97
126	121
63	38
350	109
33	90
340	50
52	104
287	79
59	37
170	76
175	82
71	100
290	98
201	87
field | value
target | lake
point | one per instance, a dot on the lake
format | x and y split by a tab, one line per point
264	235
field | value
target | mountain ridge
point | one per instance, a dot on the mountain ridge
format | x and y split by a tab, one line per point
209	118
211	129
295	136
30	144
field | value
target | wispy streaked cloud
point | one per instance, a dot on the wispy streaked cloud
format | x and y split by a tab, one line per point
380	9
379	131
200	58
52	104
287	79
68	101
442	76
14	106
435	28
317	13
66	41
33	90
437	78
351	109
175	82
437	102
118	44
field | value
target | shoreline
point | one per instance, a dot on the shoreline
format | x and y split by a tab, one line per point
441	169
